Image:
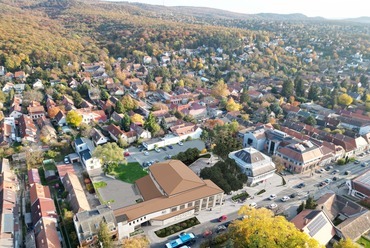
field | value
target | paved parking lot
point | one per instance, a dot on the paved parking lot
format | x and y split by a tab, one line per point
136	155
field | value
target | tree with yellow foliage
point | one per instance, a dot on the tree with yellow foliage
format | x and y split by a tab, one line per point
231	105
345	99
220	89
346	243
136	118
262	228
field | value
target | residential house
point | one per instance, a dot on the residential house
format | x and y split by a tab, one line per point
115	132
20	75
50	103
42	205
351	220
76	195
359	186
198	111
257	166
38	85
117	118
46	234
300	157
254	95
255	139
35	110
33	177
48	132
147	59
85	147
8	87
87	224
316	224
15	111
27	129
90	116
98	138
60	119
68	103
63	169
19	88
171	192
141	133
185	130
130	136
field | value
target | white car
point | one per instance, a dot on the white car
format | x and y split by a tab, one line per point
272	197
272	206
285	198
66	160
253	205
328	180
146	153
157	149
180	143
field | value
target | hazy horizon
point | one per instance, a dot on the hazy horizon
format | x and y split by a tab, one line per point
331	9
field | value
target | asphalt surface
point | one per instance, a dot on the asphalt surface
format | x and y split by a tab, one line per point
136	155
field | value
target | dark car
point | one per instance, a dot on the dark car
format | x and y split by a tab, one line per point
335	178
301	185
293	195
164	148
171	147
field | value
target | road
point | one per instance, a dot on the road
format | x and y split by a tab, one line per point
136	155
287	208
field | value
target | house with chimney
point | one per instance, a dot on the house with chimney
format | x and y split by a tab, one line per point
27	129
35	110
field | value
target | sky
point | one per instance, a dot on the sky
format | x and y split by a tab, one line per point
332	9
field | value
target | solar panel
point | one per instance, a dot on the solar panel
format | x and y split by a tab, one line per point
315	226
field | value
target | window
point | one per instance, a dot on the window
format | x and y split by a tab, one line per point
182	206
173	209
190	204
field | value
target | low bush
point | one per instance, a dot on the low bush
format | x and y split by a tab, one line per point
164	232
261	192
243	196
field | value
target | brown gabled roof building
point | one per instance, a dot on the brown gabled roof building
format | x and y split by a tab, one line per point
76	196
170	189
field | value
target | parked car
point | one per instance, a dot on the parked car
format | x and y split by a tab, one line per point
66	160
146	153
171	147
301	185
322	184
357	162
127	154
272	206
272	197
293	195
157	149
221	228
347	172
222	218
207	233
328	180
168	157
164	148
253	205
285	198
180	143
364	164
335	179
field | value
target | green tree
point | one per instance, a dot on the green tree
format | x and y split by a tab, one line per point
346	243
301	207
77	99
151	124
109	153
125	123
313	93
73	118
104	95
299	87
310	203
288	88
119	108
104	236
345	100
244	97
310	121
263	229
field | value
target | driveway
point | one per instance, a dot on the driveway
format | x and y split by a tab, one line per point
136	155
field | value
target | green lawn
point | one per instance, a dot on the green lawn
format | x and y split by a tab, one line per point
364	242
128	173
